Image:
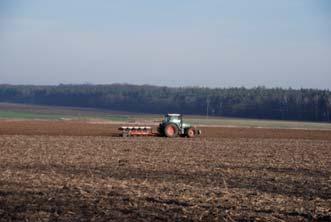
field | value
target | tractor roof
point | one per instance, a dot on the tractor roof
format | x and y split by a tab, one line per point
173	114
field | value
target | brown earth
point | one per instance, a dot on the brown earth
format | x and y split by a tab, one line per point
81	128
74	171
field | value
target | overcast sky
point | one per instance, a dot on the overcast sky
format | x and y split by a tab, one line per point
275	43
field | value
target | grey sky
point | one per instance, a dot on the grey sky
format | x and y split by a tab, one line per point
182	43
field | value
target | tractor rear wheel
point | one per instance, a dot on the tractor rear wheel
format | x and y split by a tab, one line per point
171	130
190	132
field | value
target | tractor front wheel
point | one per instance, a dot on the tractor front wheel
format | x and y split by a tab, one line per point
190	132
171	130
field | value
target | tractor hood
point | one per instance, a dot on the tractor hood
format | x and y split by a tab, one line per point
186	125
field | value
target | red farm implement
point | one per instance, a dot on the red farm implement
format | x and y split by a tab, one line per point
136	131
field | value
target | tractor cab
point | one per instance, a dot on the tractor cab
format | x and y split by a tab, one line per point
173	118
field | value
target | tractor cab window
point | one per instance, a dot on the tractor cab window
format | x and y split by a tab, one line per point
172	118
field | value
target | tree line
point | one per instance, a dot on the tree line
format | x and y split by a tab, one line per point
258	102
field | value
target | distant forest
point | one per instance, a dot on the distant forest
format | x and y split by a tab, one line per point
259	102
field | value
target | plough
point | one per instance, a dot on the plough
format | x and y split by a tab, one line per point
137	131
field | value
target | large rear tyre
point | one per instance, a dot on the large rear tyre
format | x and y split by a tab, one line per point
190	133
171	130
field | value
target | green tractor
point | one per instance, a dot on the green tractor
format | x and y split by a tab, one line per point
173	125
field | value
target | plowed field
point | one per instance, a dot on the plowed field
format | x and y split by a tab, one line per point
74	171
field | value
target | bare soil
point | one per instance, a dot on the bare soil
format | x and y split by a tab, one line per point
83	128
75	171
